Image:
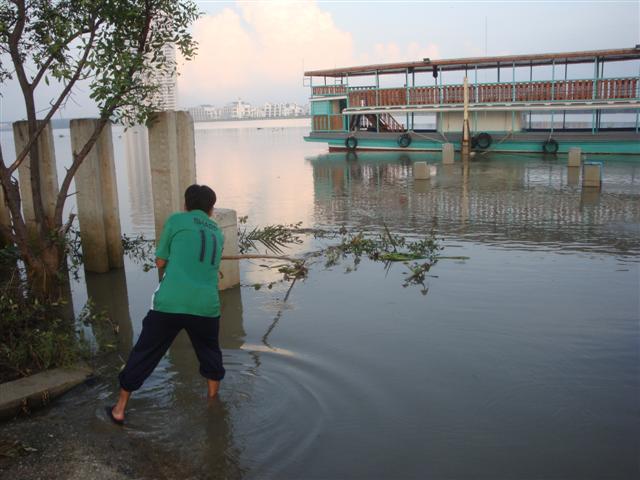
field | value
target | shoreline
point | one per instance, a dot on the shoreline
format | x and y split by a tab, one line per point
63	123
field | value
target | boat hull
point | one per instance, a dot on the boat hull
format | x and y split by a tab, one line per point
610	142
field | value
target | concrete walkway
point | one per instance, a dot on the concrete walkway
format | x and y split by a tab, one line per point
38	390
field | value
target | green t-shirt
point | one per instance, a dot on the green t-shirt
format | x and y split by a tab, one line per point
192	245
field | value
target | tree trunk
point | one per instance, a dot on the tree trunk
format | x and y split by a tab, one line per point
46	271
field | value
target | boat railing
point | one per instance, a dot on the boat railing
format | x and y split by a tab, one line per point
325	90
580	90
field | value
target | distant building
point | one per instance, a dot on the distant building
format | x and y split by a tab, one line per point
274	110
165	97
235	110
240	109
205	113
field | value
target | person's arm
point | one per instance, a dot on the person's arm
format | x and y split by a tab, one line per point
164	247
161	263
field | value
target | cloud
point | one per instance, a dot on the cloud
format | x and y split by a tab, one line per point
392	52
225	50
259	51
261	46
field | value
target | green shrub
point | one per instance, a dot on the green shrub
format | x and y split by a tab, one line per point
35	336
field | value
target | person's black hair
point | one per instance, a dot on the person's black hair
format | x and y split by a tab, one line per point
199	197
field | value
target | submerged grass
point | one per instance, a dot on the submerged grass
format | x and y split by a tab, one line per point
36	336
38	333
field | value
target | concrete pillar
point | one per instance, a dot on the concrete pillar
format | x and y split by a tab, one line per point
163	161
97	199
420	171
227	220
186	145
592	174
447	153
573	175
48	173
575	157
110	208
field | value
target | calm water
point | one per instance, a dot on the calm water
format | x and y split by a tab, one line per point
520	362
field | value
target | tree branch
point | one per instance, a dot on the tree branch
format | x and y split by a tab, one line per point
14	52
106	114
65	228
259	256
12	197
61	98
45	66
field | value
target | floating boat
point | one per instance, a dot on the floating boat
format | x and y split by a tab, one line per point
545	103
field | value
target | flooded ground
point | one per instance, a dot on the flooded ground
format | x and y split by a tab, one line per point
520	362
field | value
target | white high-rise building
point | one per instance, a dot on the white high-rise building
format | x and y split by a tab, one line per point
165	97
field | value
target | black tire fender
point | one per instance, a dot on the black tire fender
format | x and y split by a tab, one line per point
484	141
404	140
351	142
550	146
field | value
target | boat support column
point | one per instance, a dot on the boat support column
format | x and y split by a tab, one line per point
465	147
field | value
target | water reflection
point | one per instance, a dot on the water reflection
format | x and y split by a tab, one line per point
503	200
573	176
258	171
108	292
136	142
211	429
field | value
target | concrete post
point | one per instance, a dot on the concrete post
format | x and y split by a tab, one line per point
186	146
573	175
420	171
575	157
89	199
592	174
447	153
109	196
48	173
163	161
227	220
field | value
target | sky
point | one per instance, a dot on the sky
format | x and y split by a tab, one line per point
258	50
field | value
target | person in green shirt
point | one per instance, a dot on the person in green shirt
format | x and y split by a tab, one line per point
188	256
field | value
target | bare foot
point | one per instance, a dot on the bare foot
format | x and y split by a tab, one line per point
109	412
117	413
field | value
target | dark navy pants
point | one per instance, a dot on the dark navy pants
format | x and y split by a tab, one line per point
159	329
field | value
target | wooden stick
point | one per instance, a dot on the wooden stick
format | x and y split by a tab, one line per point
258	256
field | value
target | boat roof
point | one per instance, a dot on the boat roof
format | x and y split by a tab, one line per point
427	65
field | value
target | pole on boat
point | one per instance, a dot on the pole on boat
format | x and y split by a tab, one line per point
465	148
